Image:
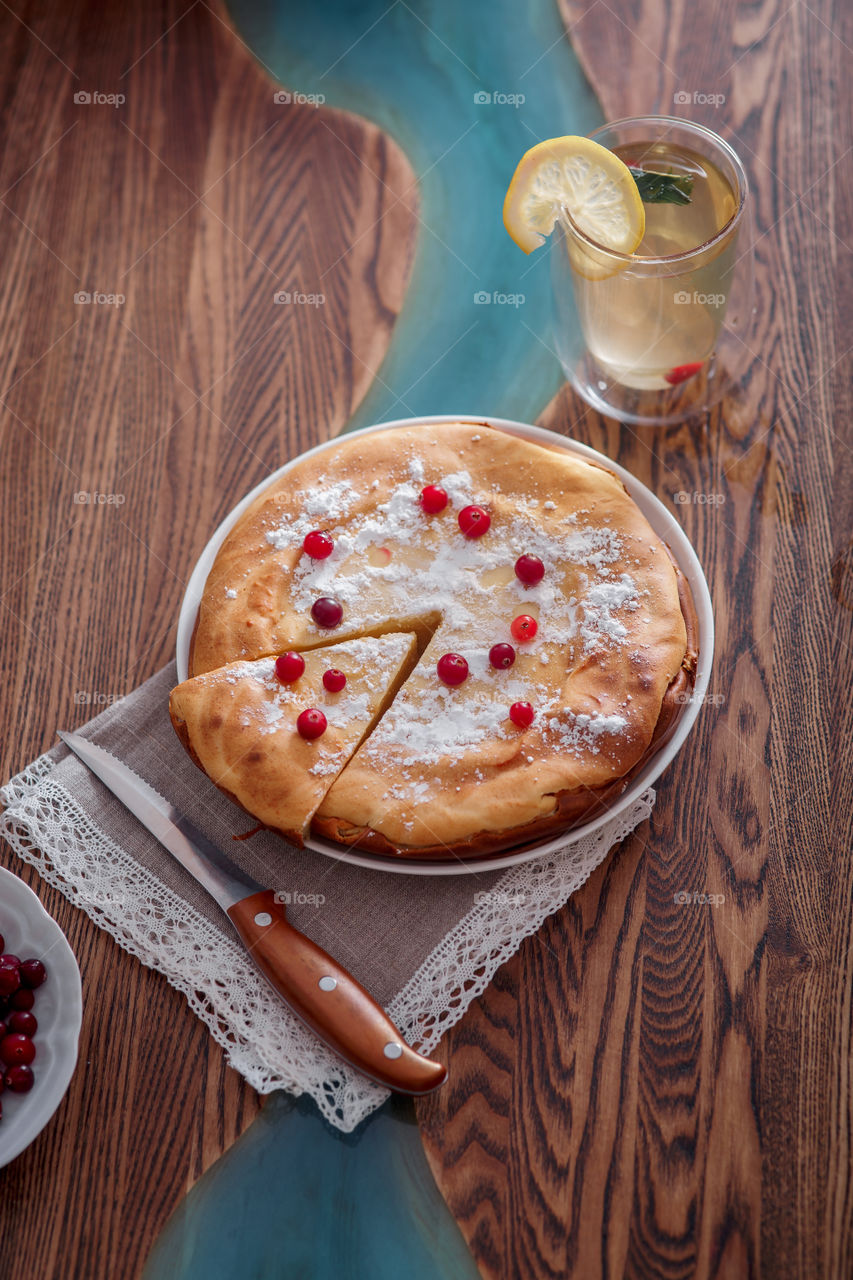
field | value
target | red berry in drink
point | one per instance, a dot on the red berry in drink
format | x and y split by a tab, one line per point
522	714
474	521
17	1050
433	499
26	1024
318	545
682	372
327	612
334	680
501	656
289	667
529	570
311	724
524	627
23	999
452	668
8	958
19	1079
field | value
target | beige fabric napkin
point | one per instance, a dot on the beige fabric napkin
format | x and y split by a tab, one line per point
423	946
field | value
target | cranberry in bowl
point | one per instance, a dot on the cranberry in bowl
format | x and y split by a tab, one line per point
41	1018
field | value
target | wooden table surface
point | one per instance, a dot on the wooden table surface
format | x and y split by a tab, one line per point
649	1088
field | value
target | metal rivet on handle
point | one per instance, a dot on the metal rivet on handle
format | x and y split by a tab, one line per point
262	919
393	1050
327	984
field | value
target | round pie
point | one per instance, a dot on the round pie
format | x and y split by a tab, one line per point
555	641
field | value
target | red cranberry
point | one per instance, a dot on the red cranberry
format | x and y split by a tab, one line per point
4	1029
502	656
524	627
529	570
433	499
334	680
474	521
9	959
327	612
17	1050
26	1024
452	668
23	999
33	973
318	545
19	1079
10	978
311	724
289	667
522	714
682	372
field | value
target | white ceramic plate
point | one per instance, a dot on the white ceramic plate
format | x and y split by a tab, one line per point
30	932
663	523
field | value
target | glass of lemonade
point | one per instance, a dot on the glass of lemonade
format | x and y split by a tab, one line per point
658	335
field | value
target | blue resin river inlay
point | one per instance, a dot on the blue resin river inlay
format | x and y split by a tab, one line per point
294	1197
444	79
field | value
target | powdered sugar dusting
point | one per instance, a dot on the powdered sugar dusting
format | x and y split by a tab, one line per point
391	560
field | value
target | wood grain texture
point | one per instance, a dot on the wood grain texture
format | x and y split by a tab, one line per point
651	1088
197	200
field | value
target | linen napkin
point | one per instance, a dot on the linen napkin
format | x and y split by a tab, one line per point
424	946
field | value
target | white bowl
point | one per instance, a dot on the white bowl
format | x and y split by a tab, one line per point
30	932
664	524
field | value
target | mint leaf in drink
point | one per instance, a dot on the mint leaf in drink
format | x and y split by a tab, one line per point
662	188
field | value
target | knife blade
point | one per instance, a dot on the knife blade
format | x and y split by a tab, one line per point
313	985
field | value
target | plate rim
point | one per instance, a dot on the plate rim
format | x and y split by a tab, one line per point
664	524
65	974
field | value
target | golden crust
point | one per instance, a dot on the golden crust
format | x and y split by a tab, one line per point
616	646
238	724
571	808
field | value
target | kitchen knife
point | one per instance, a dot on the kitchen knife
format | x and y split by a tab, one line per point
314	986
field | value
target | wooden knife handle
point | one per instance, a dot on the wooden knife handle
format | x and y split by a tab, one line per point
329	999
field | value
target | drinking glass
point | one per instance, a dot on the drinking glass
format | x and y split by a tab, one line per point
655	338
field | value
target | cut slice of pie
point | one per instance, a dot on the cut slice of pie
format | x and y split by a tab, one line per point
239	724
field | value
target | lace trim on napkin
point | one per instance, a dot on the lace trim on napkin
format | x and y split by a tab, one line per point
265	1043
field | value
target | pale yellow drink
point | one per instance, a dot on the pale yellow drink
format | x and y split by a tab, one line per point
648	318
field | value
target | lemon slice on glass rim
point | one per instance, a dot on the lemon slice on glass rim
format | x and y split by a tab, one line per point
591	183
